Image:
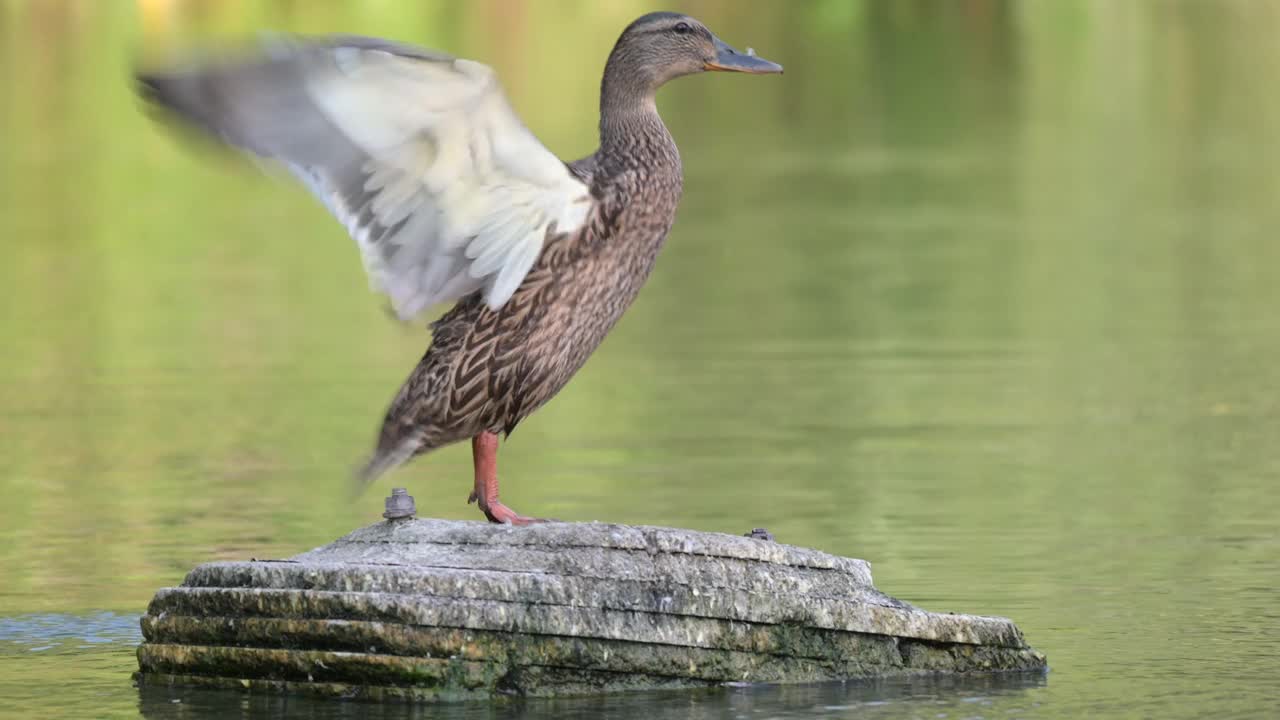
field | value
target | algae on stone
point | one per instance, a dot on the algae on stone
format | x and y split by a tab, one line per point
441	610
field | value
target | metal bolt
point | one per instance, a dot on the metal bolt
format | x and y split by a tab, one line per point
399	505
759	534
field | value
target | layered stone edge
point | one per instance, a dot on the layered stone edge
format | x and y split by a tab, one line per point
329	622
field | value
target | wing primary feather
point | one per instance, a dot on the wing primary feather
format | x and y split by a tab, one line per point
418	154
513	273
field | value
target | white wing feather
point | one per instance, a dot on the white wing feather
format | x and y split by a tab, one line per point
419	155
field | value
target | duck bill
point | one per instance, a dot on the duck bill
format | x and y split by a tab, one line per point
730	60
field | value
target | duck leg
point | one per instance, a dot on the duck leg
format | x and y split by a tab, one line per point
484	452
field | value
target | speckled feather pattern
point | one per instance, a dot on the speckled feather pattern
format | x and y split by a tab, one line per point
488	370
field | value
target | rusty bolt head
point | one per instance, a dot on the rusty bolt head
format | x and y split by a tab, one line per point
399	505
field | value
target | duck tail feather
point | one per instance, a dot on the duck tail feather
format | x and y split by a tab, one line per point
383	461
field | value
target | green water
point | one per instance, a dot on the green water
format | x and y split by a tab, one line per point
982	292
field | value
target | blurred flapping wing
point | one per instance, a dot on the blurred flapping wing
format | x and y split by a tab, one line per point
418	154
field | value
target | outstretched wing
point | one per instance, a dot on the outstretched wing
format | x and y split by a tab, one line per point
418	154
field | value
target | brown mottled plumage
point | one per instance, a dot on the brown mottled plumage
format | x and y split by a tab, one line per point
494	359
487	370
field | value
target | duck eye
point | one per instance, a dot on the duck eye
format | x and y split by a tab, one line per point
682	28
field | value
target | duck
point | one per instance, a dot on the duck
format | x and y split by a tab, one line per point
450	198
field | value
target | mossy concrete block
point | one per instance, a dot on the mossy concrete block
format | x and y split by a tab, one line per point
445	610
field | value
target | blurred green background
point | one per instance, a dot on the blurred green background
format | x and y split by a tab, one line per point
981	291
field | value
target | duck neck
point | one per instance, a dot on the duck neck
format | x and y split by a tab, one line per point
630	128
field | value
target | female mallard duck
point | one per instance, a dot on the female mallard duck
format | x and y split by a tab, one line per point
450	197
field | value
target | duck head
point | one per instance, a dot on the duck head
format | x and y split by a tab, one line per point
662	46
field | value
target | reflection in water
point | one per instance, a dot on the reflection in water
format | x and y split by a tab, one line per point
989	302
38	633
996	695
